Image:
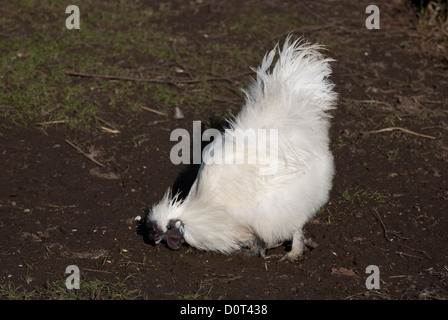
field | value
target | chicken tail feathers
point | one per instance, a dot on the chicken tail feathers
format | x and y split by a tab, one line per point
296	87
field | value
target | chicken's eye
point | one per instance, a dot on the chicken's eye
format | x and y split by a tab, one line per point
168	227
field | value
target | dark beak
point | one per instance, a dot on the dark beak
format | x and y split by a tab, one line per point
154	232
174	238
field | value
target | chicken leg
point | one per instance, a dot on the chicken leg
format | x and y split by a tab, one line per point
296	248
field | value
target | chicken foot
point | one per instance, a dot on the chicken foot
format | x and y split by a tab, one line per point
299	244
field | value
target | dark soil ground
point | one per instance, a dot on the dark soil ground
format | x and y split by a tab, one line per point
388	206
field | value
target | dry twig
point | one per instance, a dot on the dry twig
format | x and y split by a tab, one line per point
88	156
112	128
386	232
404	130
378	217
375	102
115	77
154	111
154	80
52	122
400	253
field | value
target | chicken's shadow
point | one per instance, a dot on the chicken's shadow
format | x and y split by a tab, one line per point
142	229
186	178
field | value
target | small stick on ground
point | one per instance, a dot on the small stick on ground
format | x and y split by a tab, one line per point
404	130
88	156
376	102
94	270
109	130
386	232
154	111
400	253
112	128
154	80
52	122
423	252
227	78
115	77
378	217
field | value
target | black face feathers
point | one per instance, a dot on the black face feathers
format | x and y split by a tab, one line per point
154	232
174	234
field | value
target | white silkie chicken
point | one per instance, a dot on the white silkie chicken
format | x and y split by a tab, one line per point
235	206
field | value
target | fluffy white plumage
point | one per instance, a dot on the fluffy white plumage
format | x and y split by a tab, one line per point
230	207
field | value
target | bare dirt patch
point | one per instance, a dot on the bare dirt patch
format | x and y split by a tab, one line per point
388	206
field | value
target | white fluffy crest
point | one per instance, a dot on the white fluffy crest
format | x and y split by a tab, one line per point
167	208
233	206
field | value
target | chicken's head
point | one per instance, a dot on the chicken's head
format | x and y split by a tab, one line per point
163	222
